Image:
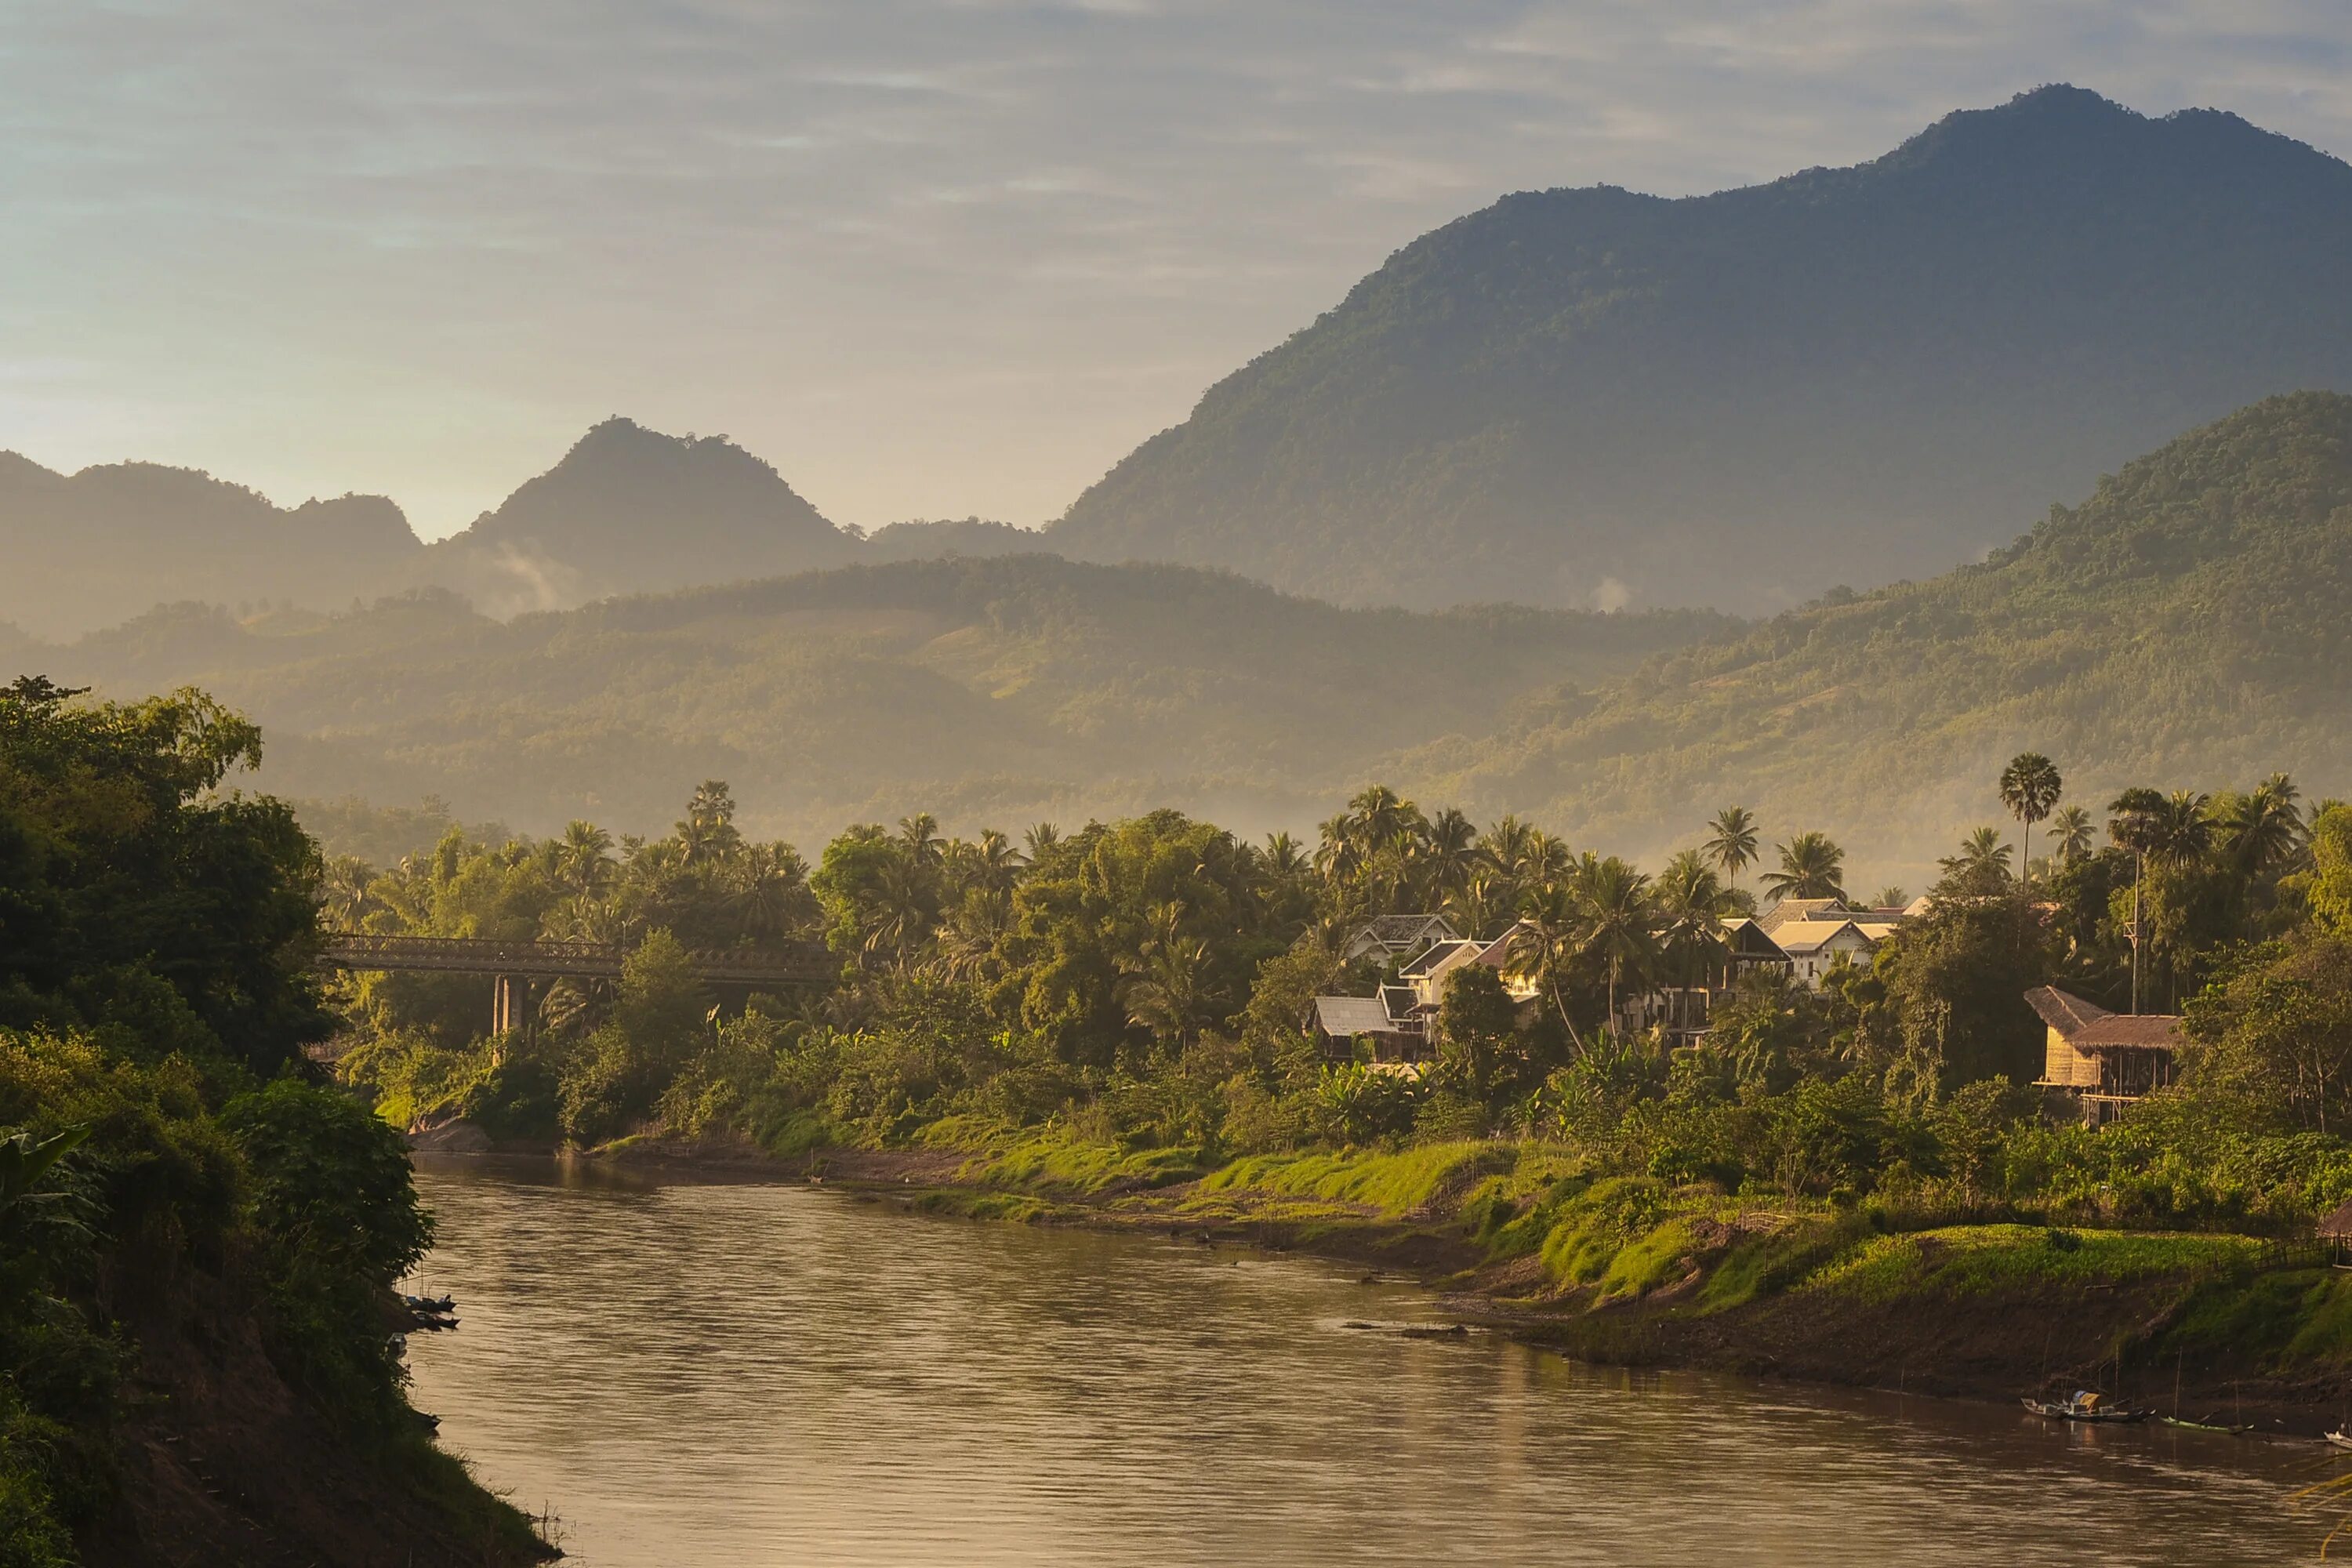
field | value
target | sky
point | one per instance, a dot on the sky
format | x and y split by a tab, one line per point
928	257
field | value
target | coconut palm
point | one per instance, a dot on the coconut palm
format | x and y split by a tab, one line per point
1980	870
1731	843
1545	942
584	859
919	836
1284	858
345	895
2030	787
1810	868
2263	831
2134	823
2070	828
1692	902
1042	839
1447	854
1612	899
1890	898
1164	981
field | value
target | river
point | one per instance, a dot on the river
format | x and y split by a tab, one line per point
712	1375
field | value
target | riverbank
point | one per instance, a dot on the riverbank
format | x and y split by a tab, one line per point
2216	1329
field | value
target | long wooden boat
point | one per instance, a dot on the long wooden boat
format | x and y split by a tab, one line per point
2085	1406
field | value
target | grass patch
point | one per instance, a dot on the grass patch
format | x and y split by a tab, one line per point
1984	1260
1061	1165
1393	1184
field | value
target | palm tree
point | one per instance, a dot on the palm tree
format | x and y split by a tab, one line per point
1890	898
1619	921
1732	844
583	858
1810	868
1042	839
771	887
1284	858
1692	902
708	831
2262	830
919	836
2134	820
1448	853
1980	870
345	895
996	864
1163	982
1545	941
2070	828
2030	787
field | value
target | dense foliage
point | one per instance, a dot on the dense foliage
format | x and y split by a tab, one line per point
1148	986
161	1144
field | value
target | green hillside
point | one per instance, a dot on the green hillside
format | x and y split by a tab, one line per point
1860	374
2190	624
998	691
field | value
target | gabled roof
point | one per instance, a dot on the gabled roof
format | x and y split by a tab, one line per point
1801	937
2340	1222
1789	909
1402	930
1345	1018
2088	1026
1434	955
1398	1002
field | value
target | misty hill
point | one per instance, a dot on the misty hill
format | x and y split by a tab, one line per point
630	510
2190	624
990	692
84	549
1846	375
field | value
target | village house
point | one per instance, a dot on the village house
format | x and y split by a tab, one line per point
2105	1061
1393	938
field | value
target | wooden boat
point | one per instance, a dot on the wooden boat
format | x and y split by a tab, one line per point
2341	1439
2213	1427
2085	1405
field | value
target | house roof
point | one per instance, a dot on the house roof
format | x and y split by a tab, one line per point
1402	930
2088	1026
1398	1002
1436	953
2338	1222
1791	909
1811	936
1345	1018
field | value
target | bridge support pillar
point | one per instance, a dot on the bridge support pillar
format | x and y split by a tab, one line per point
509	1005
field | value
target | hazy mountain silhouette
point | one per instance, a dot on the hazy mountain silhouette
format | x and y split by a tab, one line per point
630	510
82	550
1846	375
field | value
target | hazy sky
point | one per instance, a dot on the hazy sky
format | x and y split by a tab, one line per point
929	256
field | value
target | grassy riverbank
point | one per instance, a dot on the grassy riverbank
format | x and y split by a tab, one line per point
1630	1270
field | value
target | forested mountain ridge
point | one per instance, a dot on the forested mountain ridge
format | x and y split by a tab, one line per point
991	691
80	550
2188	622
626	510
1845	375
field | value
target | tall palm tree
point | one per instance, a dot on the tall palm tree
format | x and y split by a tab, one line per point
584	859
1692	902
2134	824
1165	979
919	836
1042	839
708	831
1810	868
1545	941
1448	853
2262	830
1284	858
345	896
1619	921
1731	841
2030	787
996	864
2070	826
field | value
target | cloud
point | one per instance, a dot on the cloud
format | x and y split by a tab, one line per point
320	244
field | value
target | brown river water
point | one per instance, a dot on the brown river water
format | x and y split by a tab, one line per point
708	1375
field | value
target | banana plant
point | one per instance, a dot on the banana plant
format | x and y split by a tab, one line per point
24	1160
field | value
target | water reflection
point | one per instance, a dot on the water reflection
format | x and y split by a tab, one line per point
719	1375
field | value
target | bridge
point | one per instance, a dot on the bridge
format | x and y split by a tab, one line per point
507	962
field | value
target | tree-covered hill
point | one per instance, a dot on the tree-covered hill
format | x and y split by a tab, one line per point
1857	374
2190	621
1000	690
85	549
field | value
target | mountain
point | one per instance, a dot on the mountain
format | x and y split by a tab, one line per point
630	510
86	549
992	691
1848	375
2190	624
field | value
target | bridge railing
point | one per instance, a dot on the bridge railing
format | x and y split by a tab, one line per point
804	962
